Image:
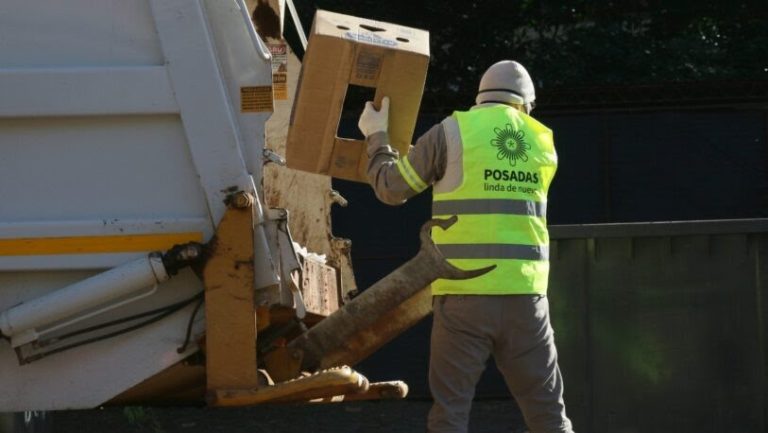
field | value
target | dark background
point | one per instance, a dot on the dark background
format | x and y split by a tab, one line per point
575	44
659	110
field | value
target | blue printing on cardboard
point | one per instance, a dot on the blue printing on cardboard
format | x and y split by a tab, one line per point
371	39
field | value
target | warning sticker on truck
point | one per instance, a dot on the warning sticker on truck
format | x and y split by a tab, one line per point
279	53
256	99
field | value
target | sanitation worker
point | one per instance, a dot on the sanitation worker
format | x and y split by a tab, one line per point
492	166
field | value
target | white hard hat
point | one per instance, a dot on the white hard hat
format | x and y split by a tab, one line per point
506	82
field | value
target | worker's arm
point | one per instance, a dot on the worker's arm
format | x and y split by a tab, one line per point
396	179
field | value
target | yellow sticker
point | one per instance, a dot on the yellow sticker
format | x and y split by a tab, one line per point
256	99
280	86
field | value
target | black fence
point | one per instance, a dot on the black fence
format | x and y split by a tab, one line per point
661	327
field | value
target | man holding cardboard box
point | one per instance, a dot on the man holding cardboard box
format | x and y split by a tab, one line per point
491	166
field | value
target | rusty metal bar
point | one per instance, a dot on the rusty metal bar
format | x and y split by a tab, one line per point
381	312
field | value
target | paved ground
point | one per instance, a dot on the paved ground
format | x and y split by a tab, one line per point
408	416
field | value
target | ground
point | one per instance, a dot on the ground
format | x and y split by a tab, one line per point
407	416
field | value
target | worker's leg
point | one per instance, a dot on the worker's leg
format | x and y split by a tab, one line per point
525	354
460	347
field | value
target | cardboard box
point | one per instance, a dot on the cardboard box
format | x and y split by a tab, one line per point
342	51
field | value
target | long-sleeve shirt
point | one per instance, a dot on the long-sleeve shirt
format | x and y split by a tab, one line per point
427	158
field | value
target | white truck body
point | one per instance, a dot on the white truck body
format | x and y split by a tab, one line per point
124	125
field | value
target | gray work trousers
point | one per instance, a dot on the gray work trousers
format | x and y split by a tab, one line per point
514	329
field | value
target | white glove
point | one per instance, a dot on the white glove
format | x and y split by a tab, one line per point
372	121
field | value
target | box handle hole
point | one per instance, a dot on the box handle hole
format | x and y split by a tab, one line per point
403	40
342	27
354	102
372	28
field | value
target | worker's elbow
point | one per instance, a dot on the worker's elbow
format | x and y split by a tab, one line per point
390	199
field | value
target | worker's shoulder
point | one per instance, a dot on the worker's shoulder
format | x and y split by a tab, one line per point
535	123
435	133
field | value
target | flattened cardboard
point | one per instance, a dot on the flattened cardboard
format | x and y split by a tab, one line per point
342	51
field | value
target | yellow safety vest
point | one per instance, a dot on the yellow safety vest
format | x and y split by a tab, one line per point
509	161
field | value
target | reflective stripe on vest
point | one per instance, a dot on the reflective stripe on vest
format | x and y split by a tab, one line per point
509	161
495	251
490	206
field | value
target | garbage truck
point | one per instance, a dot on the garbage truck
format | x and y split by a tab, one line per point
147	252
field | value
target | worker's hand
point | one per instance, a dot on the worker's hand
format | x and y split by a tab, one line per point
373	121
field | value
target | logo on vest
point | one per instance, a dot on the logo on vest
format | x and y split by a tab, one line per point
511	144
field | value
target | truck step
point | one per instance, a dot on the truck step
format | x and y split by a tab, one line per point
323	385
